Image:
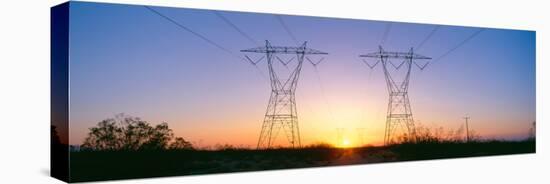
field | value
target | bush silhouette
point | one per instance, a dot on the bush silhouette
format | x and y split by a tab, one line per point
54	137
532	131
131	133
181	144
435	135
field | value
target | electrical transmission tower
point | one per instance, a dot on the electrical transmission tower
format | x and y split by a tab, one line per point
281	111
399	108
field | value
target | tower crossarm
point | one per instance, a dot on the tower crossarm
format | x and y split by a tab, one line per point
403	55
284	50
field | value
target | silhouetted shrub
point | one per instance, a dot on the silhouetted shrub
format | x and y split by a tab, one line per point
532	135
181	144
131	133
426	135
321	145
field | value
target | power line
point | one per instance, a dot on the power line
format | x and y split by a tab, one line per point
427	38
287	29
249	38
228	22
321	86
419	46
460	44
191	31
280	19
456	47
386	33
203	38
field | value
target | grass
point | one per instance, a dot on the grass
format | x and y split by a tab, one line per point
110	165
437	150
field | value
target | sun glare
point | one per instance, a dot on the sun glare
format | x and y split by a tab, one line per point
346	143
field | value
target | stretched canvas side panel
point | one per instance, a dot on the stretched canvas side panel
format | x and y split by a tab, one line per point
59	20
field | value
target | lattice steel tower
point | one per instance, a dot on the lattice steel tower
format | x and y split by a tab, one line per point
399	108
281	112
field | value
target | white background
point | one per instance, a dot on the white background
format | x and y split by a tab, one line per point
24	90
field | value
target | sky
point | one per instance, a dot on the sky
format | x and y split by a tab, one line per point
127	59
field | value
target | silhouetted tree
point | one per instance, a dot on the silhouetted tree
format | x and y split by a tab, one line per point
533	131
159	137
135	132
106	136
59	155
54	136
127	133
181	144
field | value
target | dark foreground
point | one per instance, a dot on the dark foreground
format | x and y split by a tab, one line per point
91	166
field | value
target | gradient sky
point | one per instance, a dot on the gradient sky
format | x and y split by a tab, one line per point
126	59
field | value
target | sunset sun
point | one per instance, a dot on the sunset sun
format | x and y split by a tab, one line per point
345	143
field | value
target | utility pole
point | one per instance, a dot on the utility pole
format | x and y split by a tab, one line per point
281	111
467	129
399	108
